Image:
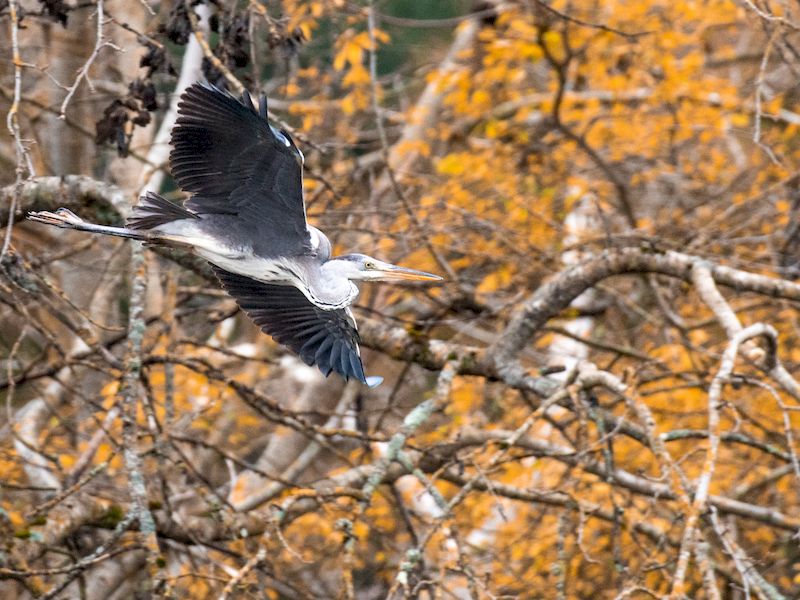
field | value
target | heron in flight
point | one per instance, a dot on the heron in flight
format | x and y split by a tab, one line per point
246	216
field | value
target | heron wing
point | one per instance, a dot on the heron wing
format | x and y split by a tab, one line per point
326	338
235	163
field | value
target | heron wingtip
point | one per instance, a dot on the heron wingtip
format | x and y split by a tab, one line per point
374	381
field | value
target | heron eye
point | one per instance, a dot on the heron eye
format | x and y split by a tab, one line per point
369	265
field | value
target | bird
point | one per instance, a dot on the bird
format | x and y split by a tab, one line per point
246	216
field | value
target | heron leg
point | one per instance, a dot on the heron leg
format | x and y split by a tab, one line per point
66	219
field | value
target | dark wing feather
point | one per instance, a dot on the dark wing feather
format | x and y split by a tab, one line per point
235	163
326	338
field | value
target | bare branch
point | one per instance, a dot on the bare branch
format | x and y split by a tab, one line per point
83	72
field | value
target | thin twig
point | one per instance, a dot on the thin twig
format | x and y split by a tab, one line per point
92	558
200	36
701	495
12	123
599	26
398	191
759	94
83	72
750	576
769	16
251	564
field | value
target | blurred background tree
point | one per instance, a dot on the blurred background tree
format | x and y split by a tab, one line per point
601	399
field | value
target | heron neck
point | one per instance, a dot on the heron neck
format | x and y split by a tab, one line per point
329	287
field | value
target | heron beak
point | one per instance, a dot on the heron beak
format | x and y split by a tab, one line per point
394	273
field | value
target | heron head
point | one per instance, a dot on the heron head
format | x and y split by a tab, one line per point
366	268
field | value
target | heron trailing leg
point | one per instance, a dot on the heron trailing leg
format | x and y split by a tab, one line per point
66	219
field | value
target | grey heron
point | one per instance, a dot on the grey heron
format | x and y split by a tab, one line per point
246	216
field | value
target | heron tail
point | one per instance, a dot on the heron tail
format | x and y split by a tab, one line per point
153	210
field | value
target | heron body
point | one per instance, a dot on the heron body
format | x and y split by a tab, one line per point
321	280
246	216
